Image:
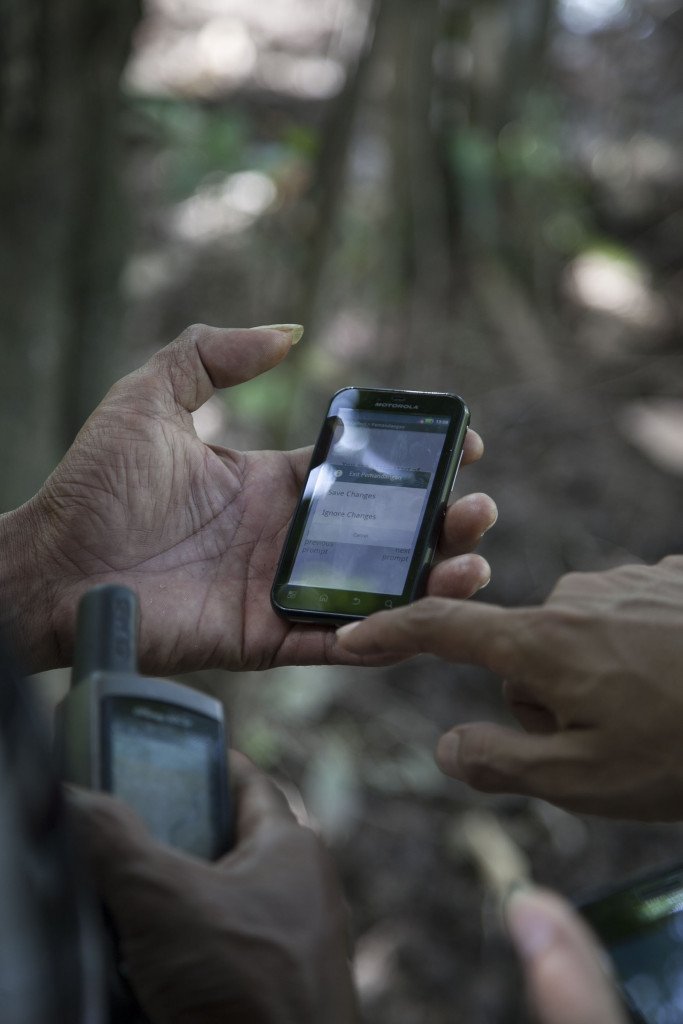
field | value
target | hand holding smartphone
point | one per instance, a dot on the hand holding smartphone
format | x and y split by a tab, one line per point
367	523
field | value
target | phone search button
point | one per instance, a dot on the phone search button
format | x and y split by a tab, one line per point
355	600
388	604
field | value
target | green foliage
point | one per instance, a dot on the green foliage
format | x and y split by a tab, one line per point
615	252
263	399
302	140
520	184
199	141
473	164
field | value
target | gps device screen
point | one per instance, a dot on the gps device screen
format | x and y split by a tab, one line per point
161	760
367	500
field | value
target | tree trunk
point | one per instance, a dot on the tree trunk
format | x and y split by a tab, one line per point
60	211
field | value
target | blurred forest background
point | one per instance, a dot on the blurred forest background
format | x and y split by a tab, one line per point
482	196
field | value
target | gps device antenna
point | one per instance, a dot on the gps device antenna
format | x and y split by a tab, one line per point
106	632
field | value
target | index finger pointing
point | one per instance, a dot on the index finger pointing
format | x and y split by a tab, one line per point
459	631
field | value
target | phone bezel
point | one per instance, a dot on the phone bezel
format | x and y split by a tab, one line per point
369	399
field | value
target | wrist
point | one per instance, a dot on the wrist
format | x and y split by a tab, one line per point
27	592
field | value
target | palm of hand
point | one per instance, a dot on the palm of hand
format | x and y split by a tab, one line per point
195	531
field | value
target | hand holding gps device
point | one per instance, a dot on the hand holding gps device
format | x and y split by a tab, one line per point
367	524
157	745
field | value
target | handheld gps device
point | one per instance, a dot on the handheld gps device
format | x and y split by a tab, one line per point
157	745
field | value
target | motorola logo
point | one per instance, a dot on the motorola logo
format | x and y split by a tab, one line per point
393	405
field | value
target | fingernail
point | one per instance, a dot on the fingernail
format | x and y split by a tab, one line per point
485	579
344	630
531	928
492	523
295	330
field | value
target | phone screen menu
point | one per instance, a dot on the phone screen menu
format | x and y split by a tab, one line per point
367	501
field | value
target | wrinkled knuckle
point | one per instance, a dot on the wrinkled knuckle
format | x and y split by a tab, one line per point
425	608
553	624
423	622
503	651
180	359
139	386
180	363
429	613
547	623
191	335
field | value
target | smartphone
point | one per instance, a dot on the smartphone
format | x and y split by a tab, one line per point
367	523
641	926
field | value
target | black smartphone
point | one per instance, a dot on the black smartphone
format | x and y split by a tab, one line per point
367	523
641	926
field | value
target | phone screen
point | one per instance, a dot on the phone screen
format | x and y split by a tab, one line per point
369	504
367	501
